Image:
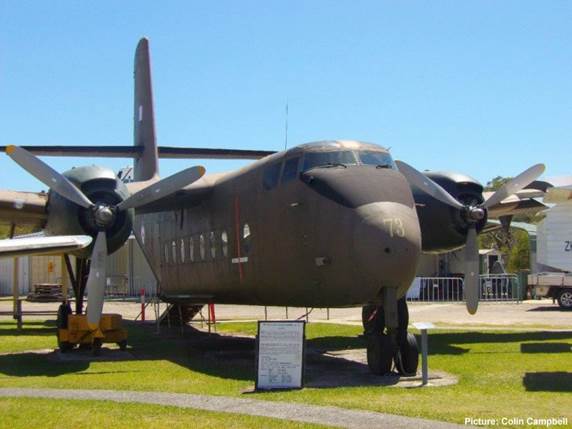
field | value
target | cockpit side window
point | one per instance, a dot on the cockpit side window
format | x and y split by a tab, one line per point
316	159
290	169
382	159
271	175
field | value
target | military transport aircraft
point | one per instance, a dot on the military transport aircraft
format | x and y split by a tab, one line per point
324	224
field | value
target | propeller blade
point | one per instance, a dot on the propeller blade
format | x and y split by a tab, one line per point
516	184
471	286
162	188
426	184
48	176
96	281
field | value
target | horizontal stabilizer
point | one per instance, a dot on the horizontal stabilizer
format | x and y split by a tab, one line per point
137	152
43	245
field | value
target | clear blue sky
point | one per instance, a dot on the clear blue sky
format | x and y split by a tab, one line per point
480	87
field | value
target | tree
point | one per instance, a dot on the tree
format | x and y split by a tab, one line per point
513	243
495	183
519	256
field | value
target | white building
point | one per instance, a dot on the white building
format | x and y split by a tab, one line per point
554	245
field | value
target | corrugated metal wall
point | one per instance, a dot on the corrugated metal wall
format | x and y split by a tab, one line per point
7	272
45	269
48	269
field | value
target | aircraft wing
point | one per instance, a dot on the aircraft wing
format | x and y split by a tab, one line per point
41	245
509	207
186	197
23	208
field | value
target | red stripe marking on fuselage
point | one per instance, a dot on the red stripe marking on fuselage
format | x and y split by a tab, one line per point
237	229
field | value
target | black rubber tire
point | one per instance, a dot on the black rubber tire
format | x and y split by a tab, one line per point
64	310
122	345
380	351
376	325
96	346
403	320
64	346
407	357
565	299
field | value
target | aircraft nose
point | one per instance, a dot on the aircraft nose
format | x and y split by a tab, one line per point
387	244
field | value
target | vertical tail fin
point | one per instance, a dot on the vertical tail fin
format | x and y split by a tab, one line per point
146	167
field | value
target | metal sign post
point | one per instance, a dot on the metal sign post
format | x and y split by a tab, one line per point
423	327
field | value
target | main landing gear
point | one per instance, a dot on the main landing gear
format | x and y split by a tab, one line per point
388	341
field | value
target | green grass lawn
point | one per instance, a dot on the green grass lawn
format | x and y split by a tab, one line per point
512	374
45	413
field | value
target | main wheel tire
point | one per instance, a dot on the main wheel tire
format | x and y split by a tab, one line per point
96	346
407	357
403	320
65	346
379	354
373	319
565	299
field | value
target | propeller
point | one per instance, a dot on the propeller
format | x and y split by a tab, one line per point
96	280
473	214
103	213
48	176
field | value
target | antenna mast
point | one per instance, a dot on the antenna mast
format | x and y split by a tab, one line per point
286	128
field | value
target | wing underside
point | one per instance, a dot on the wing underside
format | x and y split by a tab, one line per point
41	245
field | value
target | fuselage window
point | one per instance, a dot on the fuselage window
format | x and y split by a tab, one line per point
224	241
246	238
271	175
192	249
174	248
290	169
182	250
202	248
371	157
316	159
212	240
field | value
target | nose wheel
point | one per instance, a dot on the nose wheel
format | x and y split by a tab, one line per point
388	346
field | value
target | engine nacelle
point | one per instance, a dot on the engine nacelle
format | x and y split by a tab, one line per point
100	185
444	228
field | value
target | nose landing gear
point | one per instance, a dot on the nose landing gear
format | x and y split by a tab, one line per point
387	345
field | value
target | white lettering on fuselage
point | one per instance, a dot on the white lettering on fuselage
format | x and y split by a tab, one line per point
395	225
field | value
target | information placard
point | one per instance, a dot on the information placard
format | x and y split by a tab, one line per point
280	355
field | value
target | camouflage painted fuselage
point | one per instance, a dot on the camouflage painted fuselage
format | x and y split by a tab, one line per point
327	236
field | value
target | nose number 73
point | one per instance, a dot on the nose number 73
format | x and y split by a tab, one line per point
395	226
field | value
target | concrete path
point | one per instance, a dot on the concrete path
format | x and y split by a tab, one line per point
529	314
325	415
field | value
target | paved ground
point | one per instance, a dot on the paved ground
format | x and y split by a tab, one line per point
331	416
510	315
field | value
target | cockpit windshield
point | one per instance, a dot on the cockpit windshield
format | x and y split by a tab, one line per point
317	159
382	159
347	157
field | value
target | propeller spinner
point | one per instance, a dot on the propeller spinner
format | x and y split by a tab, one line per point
473	214
104	214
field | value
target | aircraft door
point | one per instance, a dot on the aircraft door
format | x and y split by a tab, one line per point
295	231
